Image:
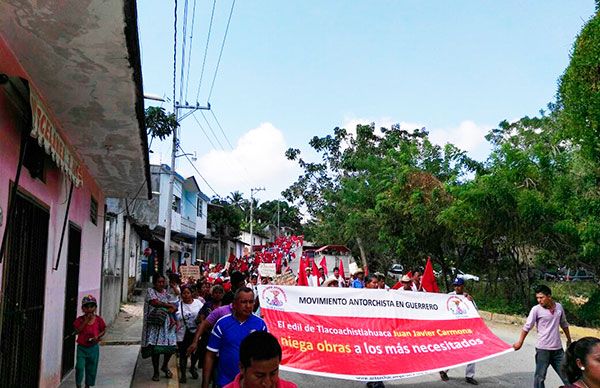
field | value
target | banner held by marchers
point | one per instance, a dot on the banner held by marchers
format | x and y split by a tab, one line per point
391	334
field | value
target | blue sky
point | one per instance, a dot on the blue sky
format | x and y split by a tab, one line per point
294	69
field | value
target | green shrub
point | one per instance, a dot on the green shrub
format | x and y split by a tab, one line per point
502	299
590	312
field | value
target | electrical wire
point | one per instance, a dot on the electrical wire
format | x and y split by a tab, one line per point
203	131
212	131
183	49
232	149
201	176
175	58
221	128
212	15
221	51
187	84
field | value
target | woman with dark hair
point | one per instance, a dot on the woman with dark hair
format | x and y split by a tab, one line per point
158	333
582	363
186	317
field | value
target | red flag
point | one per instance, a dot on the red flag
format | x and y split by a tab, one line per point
278	263
397	286
315	271
302	278
428	282
342	274
323	265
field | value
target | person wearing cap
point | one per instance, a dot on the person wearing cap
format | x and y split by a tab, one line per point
372	283
459	289
406	283
359	281
312	279
90	328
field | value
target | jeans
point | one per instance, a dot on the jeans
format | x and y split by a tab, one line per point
544	358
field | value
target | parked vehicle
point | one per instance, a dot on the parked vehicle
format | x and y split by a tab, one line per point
579	275
457	273
396	271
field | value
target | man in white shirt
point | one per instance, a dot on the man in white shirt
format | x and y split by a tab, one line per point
459	289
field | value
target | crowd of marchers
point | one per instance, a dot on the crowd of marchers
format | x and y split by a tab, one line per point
214	327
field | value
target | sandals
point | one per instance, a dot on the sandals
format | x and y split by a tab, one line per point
168	373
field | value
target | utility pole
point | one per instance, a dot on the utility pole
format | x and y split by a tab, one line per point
252	191
278	228
175	146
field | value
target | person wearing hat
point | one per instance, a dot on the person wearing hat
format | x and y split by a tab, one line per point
406	283
459	289
331	281
90	328
359	281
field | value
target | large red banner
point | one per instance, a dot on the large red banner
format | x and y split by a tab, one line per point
391	334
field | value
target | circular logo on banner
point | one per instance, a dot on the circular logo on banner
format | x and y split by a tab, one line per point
274	296
457	306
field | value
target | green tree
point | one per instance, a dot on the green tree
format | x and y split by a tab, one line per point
160	123
379	192
579	91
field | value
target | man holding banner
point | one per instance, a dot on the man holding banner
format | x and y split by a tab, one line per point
459	289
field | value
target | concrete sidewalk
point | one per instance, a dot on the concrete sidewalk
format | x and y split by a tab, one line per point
119	349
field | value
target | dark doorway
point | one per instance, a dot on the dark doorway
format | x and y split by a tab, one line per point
24	289
71	294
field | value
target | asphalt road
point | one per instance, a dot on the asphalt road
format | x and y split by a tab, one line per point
510	370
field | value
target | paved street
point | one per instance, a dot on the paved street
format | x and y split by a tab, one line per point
120	354
512	370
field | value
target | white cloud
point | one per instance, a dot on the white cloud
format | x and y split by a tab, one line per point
257	160
468	136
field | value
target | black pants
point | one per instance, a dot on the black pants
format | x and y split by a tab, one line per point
188	338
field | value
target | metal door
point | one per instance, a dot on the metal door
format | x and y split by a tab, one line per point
71	294
24	289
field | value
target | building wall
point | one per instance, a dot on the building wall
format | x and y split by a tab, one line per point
258	240
202	221
52	194
112	267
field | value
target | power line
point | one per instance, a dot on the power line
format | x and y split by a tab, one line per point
203	131
212	131
221	51
201	176
175	57
183	49
221	128
187	84
206	48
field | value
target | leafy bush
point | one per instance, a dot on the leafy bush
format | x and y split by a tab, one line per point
572	295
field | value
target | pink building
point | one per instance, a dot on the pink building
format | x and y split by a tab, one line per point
71	134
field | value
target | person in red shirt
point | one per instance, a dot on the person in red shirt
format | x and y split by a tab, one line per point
90	328
260	355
